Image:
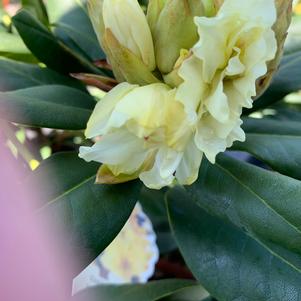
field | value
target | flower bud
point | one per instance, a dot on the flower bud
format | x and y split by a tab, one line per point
95	10
125	36
217	4
174	29
126	65
284	15
153	12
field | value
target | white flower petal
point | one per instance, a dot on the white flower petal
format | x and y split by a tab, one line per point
162	173
188	170
211	48
190	92
233	51
235	66
261	11
141	106
119	148
217	101
104	109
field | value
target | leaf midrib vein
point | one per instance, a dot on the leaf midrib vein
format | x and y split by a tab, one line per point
68	191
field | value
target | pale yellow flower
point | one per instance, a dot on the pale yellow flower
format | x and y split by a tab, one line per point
160	131
145	133
219	76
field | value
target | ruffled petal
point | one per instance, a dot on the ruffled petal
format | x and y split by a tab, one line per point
188	169
118	148
217	101
104	108
141	108
191	91
261	11
162	173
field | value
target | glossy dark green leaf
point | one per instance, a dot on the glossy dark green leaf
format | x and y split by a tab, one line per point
50	106
229	263
287	80
153	205
195	293
265	204
267	126
13	47
37	8
92	215
152	291
16	75
80	38
276	143
47	48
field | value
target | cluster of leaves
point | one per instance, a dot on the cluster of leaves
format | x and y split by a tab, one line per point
238	227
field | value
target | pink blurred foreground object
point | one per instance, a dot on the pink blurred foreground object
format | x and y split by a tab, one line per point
33	265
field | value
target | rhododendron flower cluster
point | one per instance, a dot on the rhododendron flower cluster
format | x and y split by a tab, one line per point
186	71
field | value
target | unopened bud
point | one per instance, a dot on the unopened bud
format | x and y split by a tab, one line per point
126	65
123	32
153	12
174	29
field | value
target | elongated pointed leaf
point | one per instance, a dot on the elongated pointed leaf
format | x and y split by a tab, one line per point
229	263
276	143
76	37
152	291
13	47
265	204
37	8
50	106
92	215
16	75
268	126
47	48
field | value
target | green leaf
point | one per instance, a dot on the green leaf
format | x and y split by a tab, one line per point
153	205
37	8
152	291
66	16
80	38
229	263
287	80
50	106
57	9
261	202
16	75
195	293
92	215
267	126
47	48
13	47
277	144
